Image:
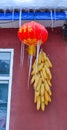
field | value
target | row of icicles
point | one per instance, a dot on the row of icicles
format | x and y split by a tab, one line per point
41	80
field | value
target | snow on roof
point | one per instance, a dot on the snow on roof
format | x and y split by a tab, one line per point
33	4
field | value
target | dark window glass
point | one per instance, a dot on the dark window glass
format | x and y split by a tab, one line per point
3	104
4	63
3	92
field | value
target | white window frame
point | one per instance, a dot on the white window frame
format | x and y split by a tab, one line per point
8	78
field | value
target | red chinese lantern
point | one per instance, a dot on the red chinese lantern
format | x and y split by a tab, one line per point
31	34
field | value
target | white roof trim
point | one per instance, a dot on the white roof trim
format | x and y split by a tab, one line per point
34	4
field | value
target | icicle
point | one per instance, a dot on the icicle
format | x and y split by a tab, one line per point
22	45
20	18
38	48
4	12
52	20
66	13
13	15
30	67
55	14
34	14
28	60
22	55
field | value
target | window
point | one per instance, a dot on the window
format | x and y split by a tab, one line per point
4	63
6	66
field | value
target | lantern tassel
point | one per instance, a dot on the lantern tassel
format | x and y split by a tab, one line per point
31	50
30	67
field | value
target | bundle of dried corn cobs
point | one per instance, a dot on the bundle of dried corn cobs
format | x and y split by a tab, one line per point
41	80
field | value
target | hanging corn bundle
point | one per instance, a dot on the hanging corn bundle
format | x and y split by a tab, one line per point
41	80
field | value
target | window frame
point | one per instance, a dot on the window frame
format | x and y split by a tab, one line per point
9	79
